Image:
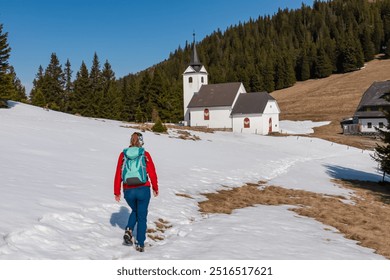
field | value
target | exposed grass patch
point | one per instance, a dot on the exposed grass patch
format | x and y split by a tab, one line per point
366	220
184	195
157	234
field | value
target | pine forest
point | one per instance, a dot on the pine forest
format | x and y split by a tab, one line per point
265	54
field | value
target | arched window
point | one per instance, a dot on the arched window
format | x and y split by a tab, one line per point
202	80
190	80
206	114
247	123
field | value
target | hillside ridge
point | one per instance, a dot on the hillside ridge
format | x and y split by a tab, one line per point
332	99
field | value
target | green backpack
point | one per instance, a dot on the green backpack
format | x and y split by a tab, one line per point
134	166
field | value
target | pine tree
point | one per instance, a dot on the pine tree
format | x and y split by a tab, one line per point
68	91
128	94
37	85
80	100
19	89
323	65
367	44
38	99
144	99
112	101
7	90
96	82
303	66
53	84
5	51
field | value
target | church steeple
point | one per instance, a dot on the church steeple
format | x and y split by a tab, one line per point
195	62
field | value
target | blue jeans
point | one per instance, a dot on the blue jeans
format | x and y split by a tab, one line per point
138	200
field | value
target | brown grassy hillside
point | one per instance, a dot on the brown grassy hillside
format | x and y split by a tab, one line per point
332	99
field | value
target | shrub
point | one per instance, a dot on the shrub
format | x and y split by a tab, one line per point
159	127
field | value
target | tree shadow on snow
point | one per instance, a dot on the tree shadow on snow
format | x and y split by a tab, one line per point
120	218
11	104
362	180
339	172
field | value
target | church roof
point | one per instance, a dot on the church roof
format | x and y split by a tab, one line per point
215	95
251	103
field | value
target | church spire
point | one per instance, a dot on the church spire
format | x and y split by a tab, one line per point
195	63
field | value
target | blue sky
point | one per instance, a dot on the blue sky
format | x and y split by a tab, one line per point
132	35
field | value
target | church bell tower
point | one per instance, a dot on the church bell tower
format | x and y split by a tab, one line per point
193	78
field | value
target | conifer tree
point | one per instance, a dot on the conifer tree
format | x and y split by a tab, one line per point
303	66
145	99
53	84
367	44
68	91
37	85
7	90
128	94
5	51
19	89
38	99
112	102
323	65
96	82
80	100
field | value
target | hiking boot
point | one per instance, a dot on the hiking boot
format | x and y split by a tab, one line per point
140	248
128	237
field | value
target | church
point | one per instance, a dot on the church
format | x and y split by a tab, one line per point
226	105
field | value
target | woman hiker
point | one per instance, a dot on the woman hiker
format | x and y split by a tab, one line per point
136	188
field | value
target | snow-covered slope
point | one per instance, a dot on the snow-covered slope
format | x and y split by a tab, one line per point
57	202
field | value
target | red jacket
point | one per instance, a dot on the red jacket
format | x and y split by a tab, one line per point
150	169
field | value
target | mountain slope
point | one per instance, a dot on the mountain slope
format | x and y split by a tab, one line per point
332	99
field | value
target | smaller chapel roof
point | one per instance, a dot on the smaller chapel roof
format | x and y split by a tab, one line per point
251	103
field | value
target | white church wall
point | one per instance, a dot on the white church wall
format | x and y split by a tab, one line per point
274	123
219	117
255	124
272	111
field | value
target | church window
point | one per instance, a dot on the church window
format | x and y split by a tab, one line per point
190	80
247	123
206	114
202	79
